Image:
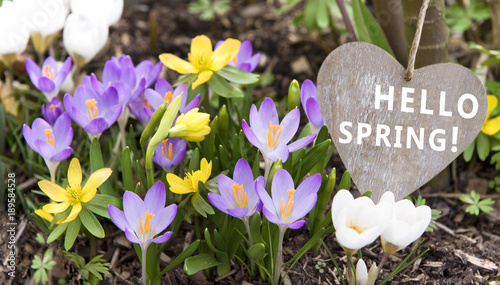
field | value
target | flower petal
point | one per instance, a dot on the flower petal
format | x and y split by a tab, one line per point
88	195
56	207
177	185
54	191
155	198
238	212
296	225
77	207
282	182
163	238
118	217
175	63
133	208
75	173
313	113
224	53
96	179
165	217
298	144
219	202
281	152
307	90
268	113
203	77
491	126
251	137
289	126
201	45
132	237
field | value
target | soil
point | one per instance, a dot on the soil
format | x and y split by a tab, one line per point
463	249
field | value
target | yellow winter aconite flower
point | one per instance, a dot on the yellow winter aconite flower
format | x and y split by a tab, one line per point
48	216
192	126
202	59
491	126
190	182
74	195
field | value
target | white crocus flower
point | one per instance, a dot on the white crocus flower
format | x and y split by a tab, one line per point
108	10
14	34
407	225
363	276
45	19
358	222
84	36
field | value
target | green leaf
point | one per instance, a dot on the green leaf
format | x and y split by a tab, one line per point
91	223
57	232
151	126
257	251
237	75
127	173
322	17
181	257
345	181
467	199
367	28
200	205
469	151
72	233
99	204
482	146
312	157
199	262
97	162
222	88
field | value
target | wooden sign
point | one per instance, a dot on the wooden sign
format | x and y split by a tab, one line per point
392	134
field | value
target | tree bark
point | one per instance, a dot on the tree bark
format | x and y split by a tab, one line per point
390	17
495	22
433	46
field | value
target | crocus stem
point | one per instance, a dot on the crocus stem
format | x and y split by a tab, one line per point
149	166
279	255
247	226
267	169
351	269
382	262
144	251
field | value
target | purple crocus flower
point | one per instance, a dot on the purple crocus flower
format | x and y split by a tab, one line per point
52	110
51	142
120	74
281	208
238	197
164	92
92	112
170	153
149	71
142	220
269	135
309	99
138	108
244	60
48	79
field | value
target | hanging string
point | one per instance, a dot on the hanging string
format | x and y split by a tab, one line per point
416	40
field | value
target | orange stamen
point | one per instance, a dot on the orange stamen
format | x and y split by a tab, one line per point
235	60
147	223
166	152
240	195
92	108
48	72
356	228
50	136
168	97
146	104
52	107
289	203
272	138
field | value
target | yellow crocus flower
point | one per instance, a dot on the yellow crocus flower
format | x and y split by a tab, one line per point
190	182
491	126
202	59
192	126
74	194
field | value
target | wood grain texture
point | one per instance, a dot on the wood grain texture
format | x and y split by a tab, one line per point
346	89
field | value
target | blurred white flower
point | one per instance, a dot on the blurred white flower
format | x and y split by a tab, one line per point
407	225
68	85
45	18
84	36
108	10
358	222
363	277
14	33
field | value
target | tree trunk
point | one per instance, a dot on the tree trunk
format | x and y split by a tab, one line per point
495	22
433	46
390	17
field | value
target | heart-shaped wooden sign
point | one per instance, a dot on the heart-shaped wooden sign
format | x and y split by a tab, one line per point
392	134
